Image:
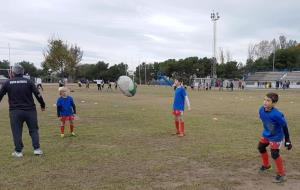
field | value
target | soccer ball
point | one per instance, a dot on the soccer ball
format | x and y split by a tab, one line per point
127	86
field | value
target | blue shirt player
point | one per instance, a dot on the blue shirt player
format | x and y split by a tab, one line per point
274	131
180	97
65	110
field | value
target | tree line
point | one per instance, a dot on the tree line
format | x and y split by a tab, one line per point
283	54
62	60
280	55
186	68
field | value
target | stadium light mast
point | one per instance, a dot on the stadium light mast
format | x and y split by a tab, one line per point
214	17
145	73
140	72
10	66
9	53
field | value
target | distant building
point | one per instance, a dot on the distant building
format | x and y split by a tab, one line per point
269	79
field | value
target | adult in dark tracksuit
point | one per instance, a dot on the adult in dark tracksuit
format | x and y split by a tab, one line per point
22	109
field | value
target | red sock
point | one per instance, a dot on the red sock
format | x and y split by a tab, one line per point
279	166
265	159
71	128
177	126
181	128
62	129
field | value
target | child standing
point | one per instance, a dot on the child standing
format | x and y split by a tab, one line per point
180	97
65	110
275	129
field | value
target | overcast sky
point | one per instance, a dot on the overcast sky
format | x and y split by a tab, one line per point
133	31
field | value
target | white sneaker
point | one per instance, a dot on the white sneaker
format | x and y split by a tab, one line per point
17	154
38	152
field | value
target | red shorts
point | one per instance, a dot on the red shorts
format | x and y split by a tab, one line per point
67	118
177	112
273	144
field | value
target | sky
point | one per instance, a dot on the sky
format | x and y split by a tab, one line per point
135	31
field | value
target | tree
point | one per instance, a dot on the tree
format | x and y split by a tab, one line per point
4	64
85	71
221	70
262	64
75	58
251	52
291	43
282	42
115	71
249	67
29	68
228	56
263	49
142	70
275	45
288	59
100	70
229	70
62	59
57	56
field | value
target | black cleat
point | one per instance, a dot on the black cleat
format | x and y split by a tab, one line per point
279	179
265	169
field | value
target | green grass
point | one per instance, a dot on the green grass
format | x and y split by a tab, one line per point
126	143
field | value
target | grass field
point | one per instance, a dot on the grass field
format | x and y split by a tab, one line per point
126	143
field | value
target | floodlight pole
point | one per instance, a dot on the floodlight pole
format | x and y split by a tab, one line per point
214	17
9	53
145	73
274	57
10	67
140	74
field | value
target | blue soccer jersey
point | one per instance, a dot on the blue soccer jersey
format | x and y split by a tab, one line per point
179	98
273	123
65	106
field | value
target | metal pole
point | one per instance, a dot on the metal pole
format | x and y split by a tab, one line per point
9	53
214	17
145	74
140	74
214	50
274	59
215	37
10	67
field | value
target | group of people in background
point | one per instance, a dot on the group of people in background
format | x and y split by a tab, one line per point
219	84
283	84
100	84
278	84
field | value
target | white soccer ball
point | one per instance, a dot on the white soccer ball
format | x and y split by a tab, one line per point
127	86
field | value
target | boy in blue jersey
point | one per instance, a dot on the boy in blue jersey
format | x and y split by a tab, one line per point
65	110
275	130
180	97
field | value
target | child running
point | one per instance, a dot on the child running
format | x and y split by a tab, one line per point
180	97
65	111
275	129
